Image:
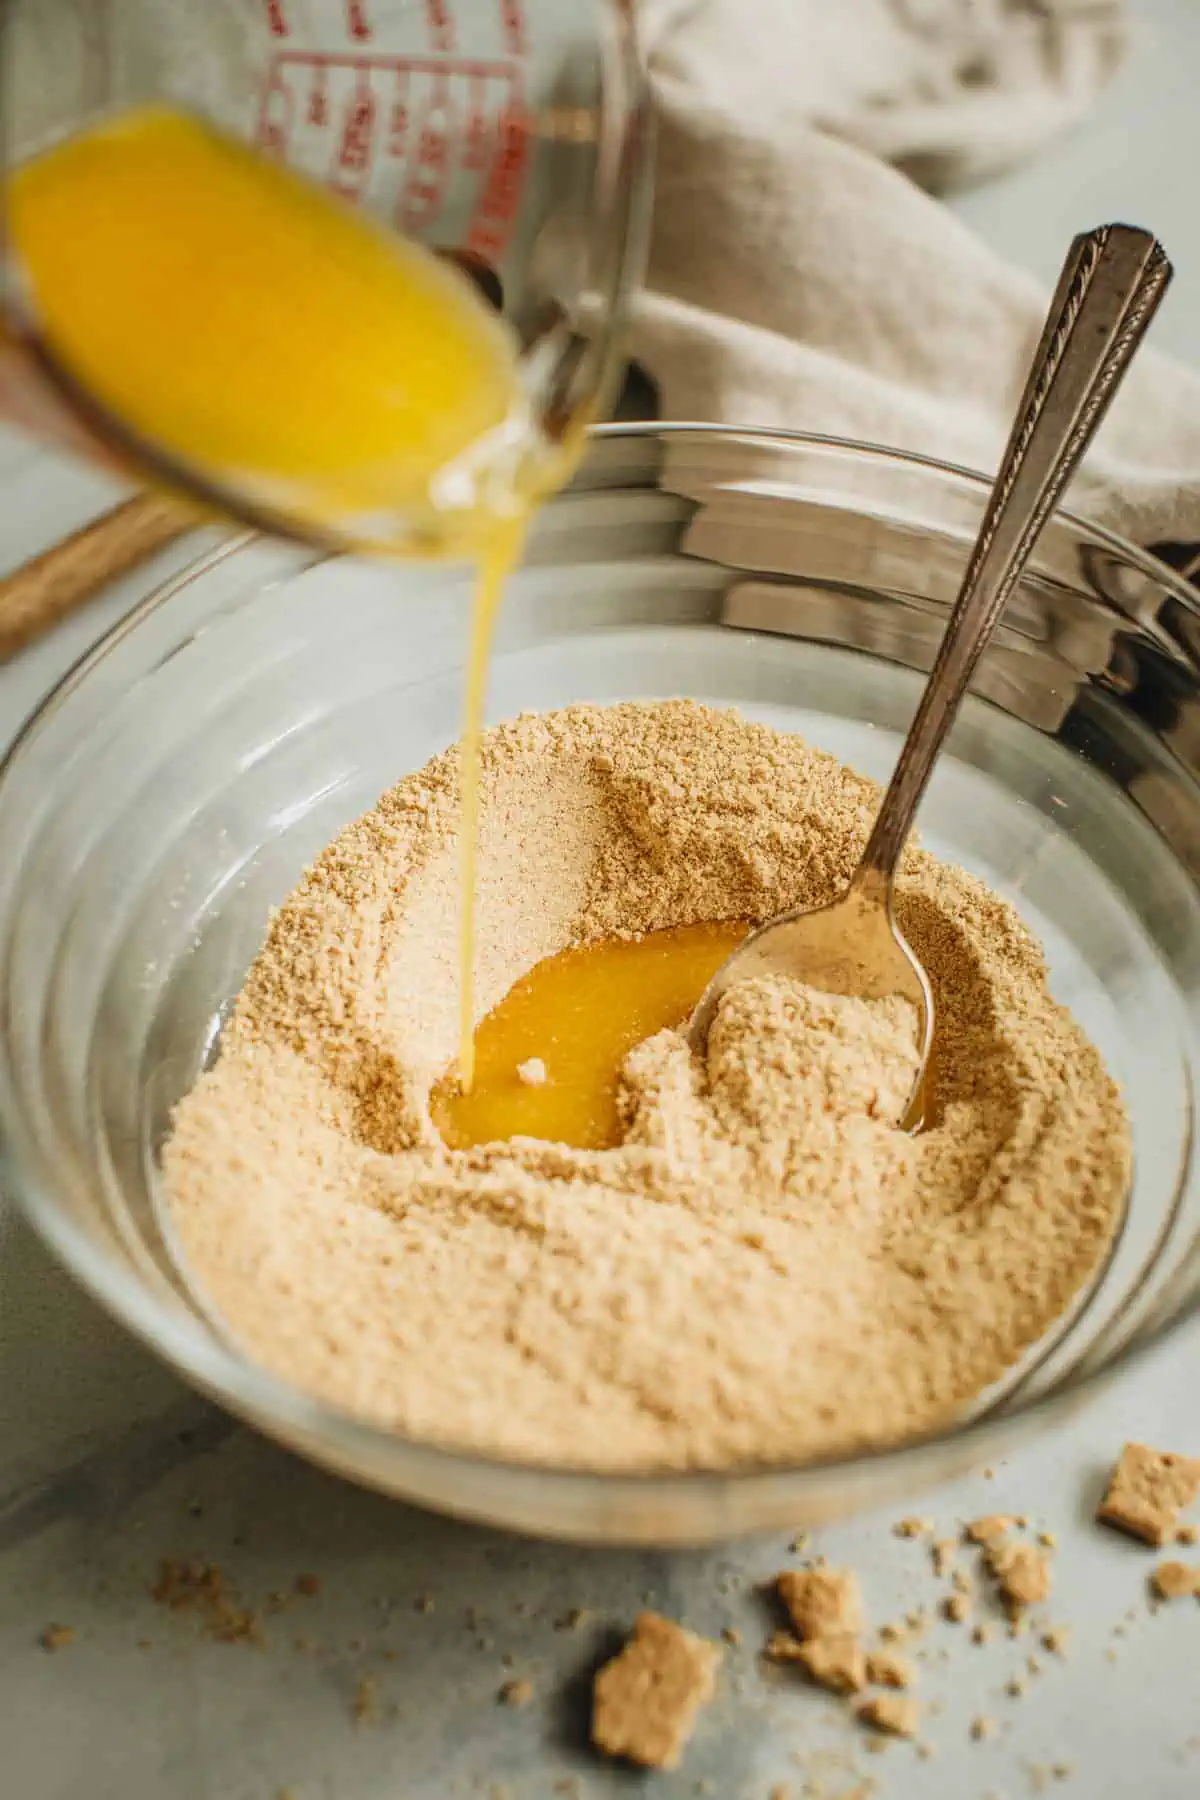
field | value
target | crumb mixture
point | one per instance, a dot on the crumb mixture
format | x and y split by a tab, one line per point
766	1268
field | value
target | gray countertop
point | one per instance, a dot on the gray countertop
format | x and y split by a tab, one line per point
108	1464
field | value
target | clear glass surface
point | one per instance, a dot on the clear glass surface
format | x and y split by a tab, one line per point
174	787
510	135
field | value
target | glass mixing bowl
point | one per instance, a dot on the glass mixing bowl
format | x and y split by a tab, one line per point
172	789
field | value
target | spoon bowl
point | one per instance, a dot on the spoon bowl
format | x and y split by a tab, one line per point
853	946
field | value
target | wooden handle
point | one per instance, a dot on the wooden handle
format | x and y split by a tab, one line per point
40	593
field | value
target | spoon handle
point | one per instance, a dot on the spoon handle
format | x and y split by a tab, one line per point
1109	291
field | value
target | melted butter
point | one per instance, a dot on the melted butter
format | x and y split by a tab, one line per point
579	1013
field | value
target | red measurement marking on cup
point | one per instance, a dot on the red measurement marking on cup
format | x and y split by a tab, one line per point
441	24
318	99
277	19
512	15
358	132
430	166
500	200
357	23
398	135
406	134
478	144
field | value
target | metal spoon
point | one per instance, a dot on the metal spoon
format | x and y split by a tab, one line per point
1109	290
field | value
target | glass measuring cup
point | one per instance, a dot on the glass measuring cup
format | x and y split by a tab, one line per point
509	135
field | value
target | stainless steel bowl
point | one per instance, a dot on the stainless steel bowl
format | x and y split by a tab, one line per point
174	786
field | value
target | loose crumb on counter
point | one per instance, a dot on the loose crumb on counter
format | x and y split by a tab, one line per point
516	1693
896	1715
943	1553
645	1701
57	1637
200	1589
365	1707
887	1670
1176	1581
821	1602
1022	1573
912	1528
1148	1491
987	1529
836	1663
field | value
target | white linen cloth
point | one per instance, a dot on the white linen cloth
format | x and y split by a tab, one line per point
801	277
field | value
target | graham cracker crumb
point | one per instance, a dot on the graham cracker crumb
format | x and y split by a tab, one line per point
1188	1534
956	1608
983	1633
1057	1640
1176	1581
943	1552
351	1251
516	1693
1048	1539
912	1528
836	1663
732	1636
1148	1491
886	1670
1015	1689
645	1700
199	1588
893	1714
799	1543
983	1728
987	1529
366	1701
1023	1574
532	1073
57	1637
782	1647
821	1602
962	1582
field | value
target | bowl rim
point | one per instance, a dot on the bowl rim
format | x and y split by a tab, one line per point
215	1364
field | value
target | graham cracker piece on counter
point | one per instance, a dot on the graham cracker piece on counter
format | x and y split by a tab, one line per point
821	1602
1148	1491
645	1701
